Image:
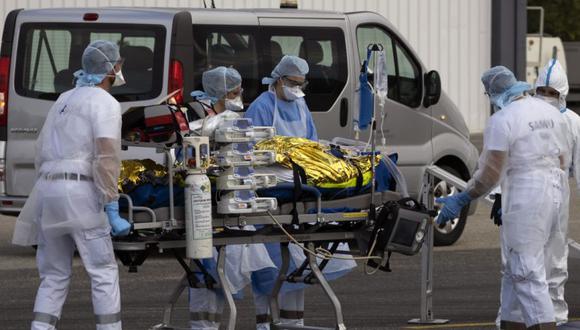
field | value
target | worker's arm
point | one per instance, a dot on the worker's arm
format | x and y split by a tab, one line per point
106	168
107	154
489	173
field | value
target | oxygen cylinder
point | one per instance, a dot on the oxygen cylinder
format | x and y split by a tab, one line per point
198	222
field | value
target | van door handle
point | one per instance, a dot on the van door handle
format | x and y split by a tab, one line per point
343	112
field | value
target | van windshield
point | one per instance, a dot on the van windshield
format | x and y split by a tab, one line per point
49	54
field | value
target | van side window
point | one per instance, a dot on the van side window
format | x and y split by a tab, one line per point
324	50
50	57
229	46
409	79
403	70
138	69
50	53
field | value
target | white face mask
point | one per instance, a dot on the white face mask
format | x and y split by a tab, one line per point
119	79
292	93
234	104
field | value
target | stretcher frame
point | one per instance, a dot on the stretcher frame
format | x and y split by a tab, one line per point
309	239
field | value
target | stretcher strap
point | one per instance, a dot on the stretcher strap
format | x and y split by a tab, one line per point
299	176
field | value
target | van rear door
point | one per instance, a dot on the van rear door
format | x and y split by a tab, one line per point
48	50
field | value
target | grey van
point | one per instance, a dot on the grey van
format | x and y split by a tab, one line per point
167	50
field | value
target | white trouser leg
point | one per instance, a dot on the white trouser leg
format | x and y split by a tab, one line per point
292	307
96	250
205	309
263	317
524	286
515	314
54	259
557	265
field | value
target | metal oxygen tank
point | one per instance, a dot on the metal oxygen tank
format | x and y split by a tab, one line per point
198	219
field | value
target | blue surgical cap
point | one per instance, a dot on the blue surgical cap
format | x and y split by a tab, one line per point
502	86
98	59
289	66
219	81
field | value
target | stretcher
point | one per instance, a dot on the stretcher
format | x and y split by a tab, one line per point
304	221
162	230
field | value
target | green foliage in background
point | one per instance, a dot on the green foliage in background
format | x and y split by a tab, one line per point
562	18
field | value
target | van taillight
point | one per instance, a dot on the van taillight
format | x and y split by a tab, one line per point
4	83
176	80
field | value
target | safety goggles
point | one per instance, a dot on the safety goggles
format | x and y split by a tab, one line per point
235	93
293	83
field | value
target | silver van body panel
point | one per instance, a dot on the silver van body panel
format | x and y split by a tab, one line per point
225	16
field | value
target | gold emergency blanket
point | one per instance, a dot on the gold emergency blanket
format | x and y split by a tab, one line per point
136	172
322	168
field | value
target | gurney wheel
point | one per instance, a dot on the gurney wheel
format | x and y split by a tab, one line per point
132	259
449	234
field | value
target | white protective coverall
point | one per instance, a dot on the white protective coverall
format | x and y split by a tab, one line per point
77	161
556	259
554	76
534	195
524	149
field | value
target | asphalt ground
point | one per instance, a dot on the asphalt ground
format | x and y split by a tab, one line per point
466	287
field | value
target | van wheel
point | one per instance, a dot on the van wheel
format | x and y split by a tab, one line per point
449	233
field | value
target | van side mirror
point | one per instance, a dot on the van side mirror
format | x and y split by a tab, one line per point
432	82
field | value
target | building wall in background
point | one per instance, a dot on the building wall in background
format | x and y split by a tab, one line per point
450	36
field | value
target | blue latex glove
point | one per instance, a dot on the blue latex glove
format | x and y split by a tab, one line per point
452	207
119	226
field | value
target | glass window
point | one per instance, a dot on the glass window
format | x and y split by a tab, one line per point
403	71
369	35
409	79
324	50
49	54
230	47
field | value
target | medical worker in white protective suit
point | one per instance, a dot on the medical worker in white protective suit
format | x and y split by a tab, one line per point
524	150
74	203
552	87
223	90
283	106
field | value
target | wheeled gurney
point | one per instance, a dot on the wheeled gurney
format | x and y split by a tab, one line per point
318	229
164	229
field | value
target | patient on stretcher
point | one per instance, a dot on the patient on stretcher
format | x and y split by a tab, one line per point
334	172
